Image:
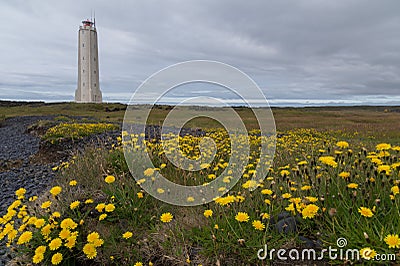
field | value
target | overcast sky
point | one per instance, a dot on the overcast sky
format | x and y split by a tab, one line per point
303	51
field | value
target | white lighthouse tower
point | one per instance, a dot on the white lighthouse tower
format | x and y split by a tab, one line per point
88	89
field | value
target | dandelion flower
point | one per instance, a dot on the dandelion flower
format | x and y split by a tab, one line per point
100	207
109	207
367	253
138	264
89	201
148	172
395	190
393	241
286	195
344	175
68	223
90	251
70	242
92	237
64	234
46	204
309	211
73	183
352	185
37	258
127	235
266	192
242	217
366	212
20	192
160	190
56	259
166	217
102	216
55	244
342	144
208	213
55	190
139	195
74	204
383	146
258	225
109	179
24	238
40	250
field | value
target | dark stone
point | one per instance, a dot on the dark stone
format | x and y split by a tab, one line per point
287	225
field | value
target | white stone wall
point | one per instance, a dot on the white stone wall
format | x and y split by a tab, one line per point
88	89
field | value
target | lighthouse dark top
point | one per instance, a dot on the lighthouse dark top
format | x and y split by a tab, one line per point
87	23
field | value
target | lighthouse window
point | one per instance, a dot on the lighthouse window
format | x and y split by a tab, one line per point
95	71
83	58
95	85
83	45
83	71
83	84
94	58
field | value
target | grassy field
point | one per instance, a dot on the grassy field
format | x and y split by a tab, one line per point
379	122
335	174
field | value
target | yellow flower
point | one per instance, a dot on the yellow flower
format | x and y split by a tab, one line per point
265	216
190	199
166	217
384	168
55	190
109	179
208	213
366	212
311	199
352	185
328	160
395	190
92	237
55	244
46	230
70	241
73	183
148	172
100	207
342	144
90	251
46	204
89	201
39	223
367	253
56	214
37	258
20	192
306	188
393	241
286	195
138	264
160	190
139	195
258	225
24	238
242	217
40	250
127	235
56	259
102	216
266	192
285	173
98	242
68	223
74	204
344	175
383	146
109	207
309	211
64	234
